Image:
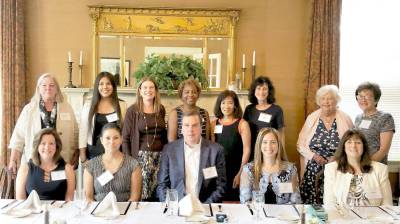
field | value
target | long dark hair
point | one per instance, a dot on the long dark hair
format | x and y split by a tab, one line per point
237	112
261	81
97	97
341	156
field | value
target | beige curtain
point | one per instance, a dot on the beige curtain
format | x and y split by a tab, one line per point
12	65
323	52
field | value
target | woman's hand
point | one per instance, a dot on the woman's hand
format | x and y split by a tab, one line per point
319	159
236	181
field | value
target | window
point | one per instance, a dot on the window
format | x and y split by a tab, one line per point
370	51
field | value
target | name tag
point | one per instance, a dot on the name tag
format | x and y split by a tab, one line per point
373	195
264	117
285	188
58	175
105	177
218	129
112	117
210	172
65	116
365	124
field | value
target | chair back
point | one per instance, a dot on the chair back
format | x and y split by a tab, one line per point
7	184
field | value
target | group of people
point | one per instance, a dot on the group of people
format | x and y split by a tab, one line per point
225	159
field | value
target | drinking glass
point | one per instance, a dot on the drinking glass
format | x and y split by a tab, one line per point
80	200
171	201
258	204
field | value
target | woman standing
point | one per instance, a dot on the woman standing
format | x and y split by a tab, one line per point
319	139
103	108
233	133
144	134
189	92
270	172
376	125
125	170
353	179
263	112
47	109
46	172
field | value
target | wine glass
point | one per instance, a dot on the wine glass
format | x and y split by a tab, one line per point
80	200
172	202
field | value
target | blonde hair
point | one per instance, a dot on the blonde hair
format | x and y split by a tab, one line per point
157	98
332	89
36	96
258	156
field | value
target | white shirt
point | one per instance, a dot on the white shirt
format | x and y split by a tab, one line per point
192	163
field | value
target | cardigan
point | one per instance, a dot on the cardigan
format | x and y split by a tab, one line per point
86	134
375	184
29	123
343	122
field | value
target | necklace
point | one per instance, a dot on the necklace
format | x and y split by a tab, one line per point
146	129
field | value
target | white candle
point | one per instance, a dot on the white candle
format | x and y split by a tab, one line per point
254	58
81	57
69	56
244	61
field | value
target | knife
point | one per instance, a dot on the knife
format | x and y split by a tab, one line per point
165	209
251	210
211	211
5	206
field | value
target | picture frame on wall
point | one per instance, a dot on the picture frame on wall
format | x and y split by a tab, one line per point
112	65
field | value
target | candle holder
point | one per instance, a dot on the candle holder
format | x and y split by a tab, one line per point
80	73
253	73
243	73
70	85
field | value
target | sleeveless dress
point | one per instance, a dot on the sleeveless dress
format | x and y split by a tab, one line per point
52	190
231	140
203	115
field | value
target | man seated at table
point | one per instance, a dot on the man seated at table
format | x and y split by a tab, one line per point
192	165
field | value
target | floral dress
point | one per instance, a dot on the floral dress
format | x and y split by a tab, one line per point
324	143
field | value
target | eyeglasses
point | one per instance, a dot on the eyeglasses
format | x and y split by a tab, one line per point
361	97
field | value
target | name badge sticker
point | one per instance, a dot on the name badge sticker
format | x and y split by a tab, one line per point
285	188
58	175
365	124
105	177
112	117
65	116
218	129
264	117
210	172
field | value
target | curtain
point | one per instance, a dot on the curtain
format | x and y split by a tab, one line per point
323	52
12	68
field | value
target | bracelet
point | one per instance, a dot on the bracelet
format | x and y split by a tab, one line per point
84	161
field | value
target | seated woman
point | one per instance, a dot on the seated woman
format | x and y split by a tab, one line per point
270	172
353	179
46	172
109	171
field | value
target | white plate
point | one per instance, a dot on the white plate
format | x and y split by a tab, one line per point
19	213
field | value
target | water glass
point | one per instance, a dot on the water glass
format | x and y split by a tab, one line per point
80	200
258	204
171	201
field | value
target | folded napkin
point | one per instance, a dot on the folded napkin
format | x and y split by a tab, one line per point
32	202
190	206
108	207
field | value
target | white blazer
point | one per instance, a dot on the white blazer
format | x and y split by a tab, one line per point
375	184
86	134
29	123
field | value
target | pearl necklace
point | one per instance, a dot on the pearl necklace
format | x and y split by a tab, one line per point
146	129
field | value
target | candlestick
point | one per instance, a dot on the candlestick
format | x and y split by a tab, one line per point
80	73
70	85
243	73
80	57
254	58
244	61
69	56
253	72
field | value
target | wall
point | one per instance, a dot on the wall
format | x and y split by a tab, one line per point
276	29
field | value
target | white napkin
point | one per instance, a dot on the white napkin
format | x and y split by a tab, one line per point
32	202
108	207
190	205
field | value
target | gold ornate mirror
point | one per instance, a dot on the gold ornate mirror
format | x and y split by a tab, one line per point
127	35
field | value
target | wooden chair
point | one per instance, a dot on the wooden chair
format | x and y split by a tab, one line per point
7	184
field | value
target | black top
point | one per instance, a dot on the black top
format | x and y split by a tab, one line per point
52	190
251	115
97	148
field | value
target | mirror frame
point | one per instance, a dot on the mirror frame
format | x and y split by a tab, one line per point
159	22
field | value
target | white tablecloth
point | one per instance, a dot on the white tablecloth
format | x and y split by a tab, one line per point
152	212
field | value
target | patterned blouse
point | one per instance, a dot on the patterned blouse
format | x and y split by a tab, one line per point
286	175
357	196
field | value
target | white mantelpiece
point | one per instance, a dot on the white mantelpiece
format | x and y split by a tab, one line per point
77	96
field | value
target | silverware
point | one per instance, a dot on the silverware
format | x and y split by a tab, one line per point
219	208
165	209
251	210
394	217
5	206
62	204
211	211
137	205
